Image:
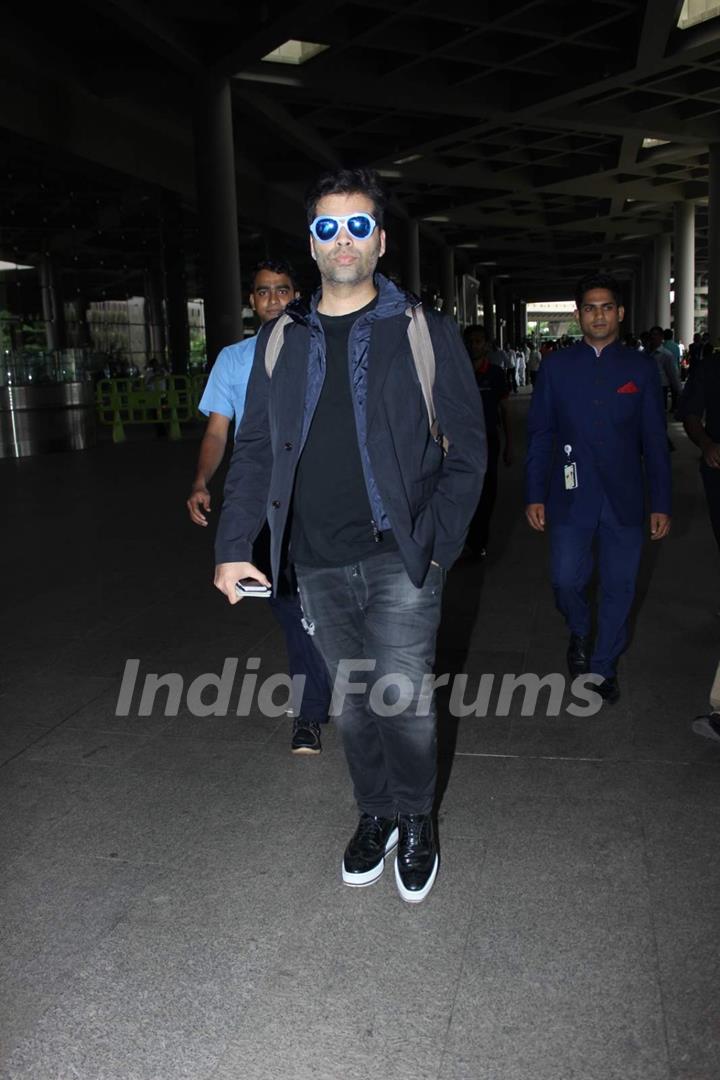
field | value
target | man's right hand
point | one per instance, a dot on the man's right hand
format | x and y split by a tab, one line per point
711	455
199	500
228	573
535	513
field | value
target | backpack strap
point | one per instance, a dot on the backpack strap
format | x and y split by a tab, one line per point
423	354
275	344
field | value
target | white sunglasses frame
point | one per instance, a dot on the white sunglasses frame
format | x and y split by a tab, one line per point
342	221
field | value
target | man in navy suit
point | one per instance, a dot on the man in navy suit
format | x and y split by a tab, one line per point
595	420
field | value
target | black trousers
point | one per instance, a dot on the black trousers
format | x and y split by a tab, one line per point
479	531
711	482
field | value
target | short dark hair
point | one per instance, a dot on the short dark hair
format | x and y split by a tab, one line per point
275	266
348	182
474	328
598	280
657	330
667	334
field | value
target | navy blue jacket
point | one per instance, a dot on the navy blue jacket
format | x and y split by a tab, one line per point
609	410
427	499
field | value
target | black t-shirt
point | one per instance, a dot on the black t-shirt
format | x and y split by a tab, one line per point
493	389
332	520
701	395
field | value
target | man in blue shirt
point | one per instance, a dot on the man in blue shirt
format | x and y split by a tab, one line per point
222	402
595	421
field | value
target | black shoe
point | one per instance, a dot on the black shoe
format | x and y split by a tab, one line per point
708	726
578	655
417	860
608	690
364	859
305	737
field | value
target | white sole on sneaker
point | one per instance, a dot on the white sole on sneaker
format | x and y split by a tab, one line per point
416	897
360	881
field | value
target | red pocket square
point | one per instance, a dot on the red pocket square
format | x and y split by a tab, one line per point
628	388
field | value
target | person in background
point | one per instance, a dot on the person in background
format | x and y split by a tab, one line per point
533	363
669	377
674	348
699	410
595	426
223	402
494	393
511	368
521	355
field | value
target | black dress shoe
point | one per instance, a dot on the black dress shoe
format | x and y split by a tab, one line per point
608	690
417	860
364	859
578	655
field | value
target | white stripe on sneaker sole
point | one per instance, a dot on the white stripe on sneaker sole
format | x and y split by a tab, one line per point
359	881
416	896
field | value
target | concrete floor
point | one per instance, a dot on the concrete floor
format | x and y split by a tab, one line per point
171	900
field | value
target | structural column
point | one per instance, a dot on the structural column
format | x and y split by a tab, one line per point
497	331
412	257
448	281
506	319
630	291
217	203
83	337
684	272
714	246
647	299
520	322
52	304
488	305
178	331
154	314
662	253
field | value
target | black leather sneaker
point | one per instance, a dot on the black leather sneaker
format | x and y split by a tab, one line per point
305	737
417	860
578	655
608	690
364	859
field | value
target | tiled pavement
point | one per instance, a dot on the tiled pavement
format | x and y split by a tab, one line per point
171	901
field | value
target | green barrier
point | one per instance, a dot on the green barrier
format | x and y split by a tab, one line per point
129	401
197	385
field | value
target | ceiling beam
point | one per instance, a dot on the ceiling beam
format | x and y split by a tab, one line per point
157	33
298	134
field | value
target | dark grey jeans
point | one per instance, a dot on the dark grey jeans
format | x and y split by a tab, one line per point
372	626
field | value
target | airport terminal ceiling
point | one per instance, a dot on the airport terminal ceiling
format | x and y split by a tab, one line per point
534	138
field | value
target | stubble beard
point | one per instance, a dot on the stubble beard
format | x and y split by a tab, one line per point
354	274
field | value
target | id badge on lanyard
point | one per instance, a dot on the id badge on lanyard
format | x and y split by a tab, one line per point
570	470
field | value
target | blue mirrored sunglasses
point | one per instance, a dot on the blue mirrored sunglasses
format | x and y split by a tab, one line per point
326	228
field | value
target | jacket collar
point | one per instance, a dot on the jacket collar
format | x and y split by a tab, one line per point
608	350
391	300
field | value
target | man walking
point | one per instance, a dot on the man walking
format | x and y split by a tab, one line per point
494	392
337	447
699	411
596	416
668	370
224	400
